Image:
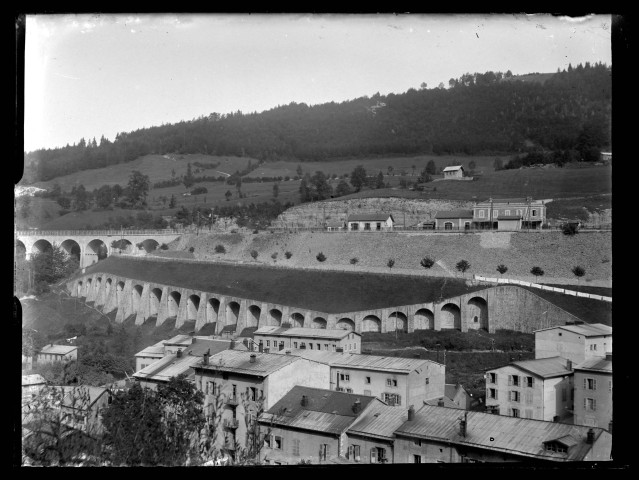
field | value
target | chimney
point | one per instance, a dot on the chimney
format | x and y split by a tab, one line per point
610	426
411	413
304	401
590	436
569	364
440	402
252	358
232	344
193	340
179	353
205	358
260	347
462	425
609	356
357	406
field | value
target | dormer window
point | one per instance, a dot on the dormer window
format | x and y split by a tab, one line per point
556	447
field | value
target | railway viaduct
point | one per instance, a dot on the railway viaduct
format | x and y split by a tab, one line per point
495	307
88	245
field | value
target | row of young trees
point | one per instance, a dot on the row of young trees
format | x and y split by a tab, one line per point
479	113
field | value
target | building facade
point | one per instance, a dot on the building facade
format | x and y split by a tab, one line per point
370	222
279	339
57	353
539	389
454	220
577	343
593	393
509	214
453	173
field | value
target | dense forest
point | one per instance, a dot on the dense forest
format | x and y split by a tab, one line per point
476	114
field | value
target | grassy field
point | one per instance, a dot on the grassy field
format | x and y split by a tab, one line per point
593	311
324	291
578	208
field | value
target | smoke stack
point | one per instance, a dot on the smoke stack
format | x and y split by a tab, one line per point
179	353
411	413
462	425
304	401
590	436
569	364
357	406
252	358
440	402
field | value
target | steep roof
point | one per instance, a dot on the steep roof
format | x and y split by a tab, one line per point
596	364
461	213
448	402
57	349
544	367
379	421
81	397
326	411
156	350
336	333
364	362
453	168
369	217
513	435
240	362
585	329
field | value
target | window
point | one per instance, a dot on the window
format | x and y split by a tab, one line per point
345	377
560	334
324	451
417	459
354	226
590	384
427	381
326	346
268	440
354	452
391	382
294	344
529	382
519	212
417	442
319	347
378	455
590	404
514	396
334	348
278	443
514	412
492	393
495	213
253	394
379	226
302	345
393	399
367	226
507	212
349	390
492	377
475	319
448	226
556	447
281	345
481	213
310	345
296	447
513	380
610	385
534	213
268	343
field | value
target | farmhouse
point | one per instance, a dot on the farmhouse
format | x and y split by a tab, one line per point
370	222
274	339
454	220
454	172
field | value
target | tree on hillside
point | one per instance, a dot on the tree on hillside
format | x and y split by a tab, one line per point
104	196
321	188
502	268
80	198
254	254
431	169
64	202
53	265
414	167
299	170
390	263
320	257
342	188
137	189
276	190
427	262
172	202
25	206
462	266
305	188
380	180
228	195
537	272
471	167
358	178
188	179
390	170
578	272
498	164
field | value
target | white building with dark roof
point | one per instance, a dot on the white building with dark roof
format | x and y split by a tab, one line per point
593	392
454	219
279	339
367	222
453	172
57	353
575	342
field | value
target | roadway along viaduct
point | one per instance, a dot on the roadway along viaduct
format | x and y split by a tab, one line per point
89	245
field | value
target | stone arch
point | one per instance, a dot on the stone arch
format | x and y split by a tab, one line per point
296	320
72	248
477	314
275	316
41	246
450	317
212	310
346	324
87	287
95	250
253	316
150	245
397	321
136	296
122	245
232	313
98	284
192	306
20	250
107	287
173	303
371	323
119	288
424	319
319	322
79	288
155	296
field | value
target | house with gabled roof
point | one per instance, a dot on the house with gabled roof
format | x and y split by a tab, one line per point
311	424
453	172
460	219
369	222
541	389
577	342
445	435
57	353
273	339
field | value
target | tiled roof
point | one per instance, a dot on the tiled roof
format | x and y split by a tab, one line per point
152	351
369	217
448	402
501	201
327	411
336	333
364	362
599	364
239	362
585	329
544	367
57	349
517	436
379	421
461	213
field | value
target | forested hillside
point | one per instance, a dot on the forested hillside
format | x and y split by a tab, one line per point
479	113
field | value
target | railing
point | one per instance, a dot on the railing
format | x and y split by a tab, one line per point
165	231
544	287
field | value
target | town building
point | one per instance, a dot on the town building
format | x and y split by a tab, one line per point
370	222
509	214
454	220
279	339
395	380
453	172
445	435
239	385
311	424
593	392
459	396
57	353
577	342
180	357
335	225
148	355
540	389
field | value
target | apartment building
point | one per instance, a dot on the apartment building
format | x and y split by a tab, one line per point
593	392
539	389
576	342
274	339
509	214
239	385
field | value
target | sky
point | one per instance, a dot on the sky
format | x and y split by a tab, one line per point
93	75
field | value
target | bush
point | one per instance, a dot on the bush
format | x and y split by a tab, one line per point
462	266
256	231
274	256
164	246
502	268
191	249
254	254
427	262
569	229
199	190
219	248
320	257
288	254
354	260
390	263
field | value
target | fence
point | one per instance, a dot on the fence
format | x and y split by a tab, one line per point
544	287
41	233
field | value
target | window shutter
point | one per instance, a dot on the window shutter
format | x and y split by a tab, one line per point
374	455
585	384
510	379
594	384
585	402
594	404
349	453
328	451
532	381
496	394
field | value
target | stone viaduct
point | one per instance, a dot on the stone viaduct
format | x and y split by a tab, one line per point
86	245
495	307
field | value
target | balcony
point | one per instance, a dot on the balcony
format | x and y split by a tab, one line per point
232	423
231	400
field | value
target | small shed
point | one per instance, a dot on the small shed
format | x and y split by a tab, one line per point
453	172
